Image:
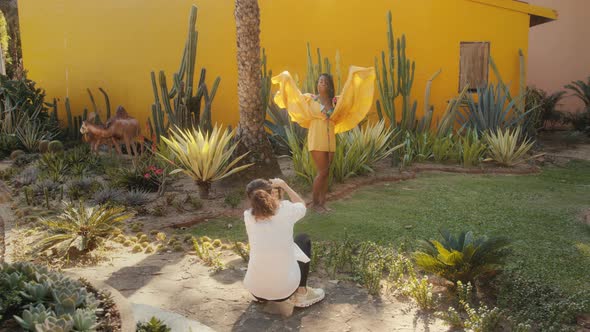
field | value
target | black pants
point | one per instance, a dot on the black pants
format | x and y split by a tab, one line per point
304	243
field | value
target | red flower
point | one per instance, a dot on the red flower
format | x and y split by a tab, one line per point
147	175
159	171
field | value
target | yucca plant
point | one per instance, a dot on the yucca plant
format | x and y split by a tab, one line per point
462	257
301	157
423	143
581	90
206	157
471	149
53	166
358	150
506	148
79	229
29	135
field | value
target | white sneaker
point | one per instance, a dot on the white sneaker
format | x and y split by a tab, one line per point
312	296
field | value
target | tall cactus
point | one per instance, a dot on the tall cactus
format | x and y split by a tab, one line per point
183	105
315	69
388	76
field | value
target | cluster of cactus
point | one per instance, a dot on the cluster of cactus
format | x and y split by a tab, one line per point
242	250
54	146
74	122
183	106
205	250
52	301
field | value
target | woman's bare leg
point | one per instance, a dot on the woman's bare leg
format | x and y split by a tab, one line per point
327	182
322	162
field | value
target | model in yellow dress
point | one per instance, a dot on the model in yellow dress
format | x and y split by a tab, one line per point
325	116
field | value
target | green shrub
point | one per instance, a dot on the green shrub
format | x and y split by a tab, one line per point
462	257
234	198
444	148
539	302
471	149
79	229
82	188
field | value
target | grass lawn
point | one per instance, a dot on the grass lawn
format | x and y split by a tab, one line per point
540	213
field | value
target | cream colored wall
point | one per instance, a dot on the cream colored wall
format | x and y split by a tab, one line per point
559	52
71	45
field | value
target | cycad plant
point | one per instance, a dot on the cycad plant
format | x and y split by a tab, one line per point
462	257
506	148
206	157
79	229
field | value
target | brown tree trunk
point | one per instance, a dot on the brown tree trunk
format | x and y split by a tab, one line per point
251	132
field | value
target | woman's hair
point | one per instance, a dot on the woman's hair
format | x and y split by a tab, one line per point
330	82
263	204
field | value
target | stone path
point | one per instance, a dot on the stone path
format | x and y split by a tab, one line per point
175	282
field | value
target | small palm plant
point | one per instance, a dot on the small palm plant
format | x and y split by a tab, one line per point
506	148
79	229
581	90
463	257
204	156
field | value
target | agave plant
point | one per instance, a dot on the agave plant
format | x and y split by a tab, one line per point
581	90
506	148
462	257
80	228
204	156
136	198
493	110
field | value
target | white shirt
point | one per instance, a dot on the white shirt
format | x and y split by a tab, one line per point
273	272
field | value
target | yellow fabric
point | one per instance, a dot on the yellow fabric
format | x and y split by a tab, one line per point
351	108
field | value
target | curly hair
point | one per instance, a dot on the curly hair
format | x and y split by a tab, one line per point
263	204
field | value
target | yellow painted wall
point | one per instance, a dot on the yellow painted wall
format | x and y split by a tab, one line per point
71	45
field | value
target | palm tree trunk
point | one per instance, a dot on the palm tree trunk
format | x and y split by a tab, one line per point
251	132
2	240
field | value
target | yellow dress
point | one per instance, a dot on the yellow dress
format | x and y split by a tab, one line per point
353	105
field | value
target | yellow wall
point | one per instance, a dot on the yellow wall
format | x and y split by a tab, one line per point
71	45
